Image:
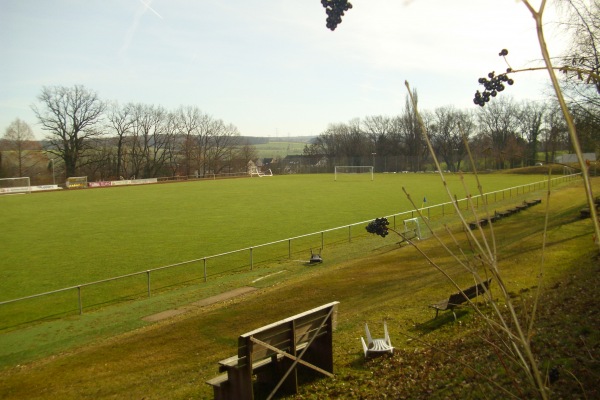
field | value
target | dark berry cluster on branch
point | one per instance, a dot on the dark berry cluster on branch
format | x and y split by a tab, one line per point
493	84
378	227
335	10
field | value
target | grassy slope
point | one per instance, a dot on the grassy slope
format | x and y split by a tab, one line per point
172	359
279	149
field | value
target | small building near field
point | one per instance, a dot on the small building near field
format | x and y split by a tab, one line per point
572	158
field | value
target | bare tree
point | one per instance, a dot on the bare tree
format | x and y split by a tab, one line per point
71	116
499	120
410	133
152	137
188	124
582	25
120	122
531	121
247	152
446	136
207	130
378	128
555	135
18	143
224	140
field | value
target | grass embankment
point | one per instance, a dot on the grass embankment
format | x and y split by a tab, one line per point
173	358
280	150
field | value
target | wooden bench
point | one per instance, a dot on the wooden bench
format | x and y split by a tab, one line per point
278	354
482	222
533	202
521	207
503	214
456	299
585	213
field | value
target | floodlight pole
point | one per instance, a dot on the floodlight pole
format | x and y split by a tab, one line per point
53	178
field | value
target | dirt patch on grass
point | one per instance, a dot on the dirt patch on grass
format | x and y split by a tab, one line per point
201	303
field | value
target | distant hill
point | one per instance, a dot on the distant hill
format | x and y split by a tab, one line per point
254	140
279	149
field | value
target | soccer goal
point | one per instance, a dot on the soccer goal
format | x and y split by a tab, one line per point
15	185
412	229
341	170
76	182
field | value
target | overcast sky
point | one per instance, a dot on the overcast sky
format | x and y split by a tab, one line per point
269	67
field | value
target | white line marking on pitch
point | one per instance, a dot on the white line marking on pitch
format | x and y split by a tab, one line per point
266	276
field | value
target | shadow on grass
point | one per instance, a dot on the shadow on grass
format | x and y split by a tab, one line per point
441	320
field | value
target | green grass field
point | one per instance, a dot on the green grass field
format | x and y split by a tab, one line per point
172	359
279	149
68	238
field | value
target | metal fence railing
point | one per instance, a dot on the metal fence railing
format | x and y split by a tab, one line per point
70	300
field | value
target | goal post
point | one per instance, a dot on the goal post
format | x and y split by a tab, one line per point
352	169
412	228
15	185
76	182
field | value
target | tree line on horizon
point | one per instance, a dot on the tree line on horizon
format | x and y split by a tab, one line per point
105	140
89	137
504	134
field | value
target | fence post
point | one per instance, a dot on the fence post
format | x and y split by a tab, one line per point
349	233
148	274
79	297
322	240
289	248
251	264
204	259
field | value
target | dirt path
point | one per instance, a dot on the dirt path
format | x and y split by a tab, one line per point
201	303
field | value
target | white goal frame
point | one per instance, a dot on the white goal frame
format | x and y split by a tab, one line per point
412	225
352	169
76	182
15	185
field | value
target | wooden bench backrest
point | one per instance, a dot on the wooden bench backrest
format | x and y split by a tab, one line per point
469	293
287	334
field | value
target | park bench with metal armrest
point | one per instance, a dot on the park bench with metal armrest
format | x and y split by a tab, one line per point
456	299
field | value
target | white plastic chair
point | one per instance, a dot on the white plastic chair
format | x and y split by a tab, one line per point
377	347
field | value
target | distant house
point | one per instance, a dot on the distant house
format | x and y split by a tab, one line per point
322	162
572	158
304	163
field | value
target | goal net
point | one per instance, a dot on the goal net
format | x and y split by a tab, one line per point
363	171
412	229
15	185
76	182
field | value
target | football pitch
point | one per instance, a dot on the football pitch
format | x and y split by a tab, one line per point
67	238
